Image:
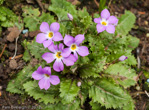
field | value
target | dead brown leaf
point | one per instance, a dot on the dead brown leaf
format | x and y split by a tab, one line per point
74	2
14	33
34	33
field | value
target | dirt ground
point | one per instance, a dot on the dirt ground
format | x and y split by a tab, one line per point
9	68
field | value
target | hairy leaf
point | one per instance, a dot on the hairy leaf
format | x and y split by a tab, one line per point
125	23
124	74
69	90
108	94
50	96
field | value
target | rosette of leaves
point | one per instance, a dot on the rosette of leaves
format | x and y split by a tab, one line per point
104	80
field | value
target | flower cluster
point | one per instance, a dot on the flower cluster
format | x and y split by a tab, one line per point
69	55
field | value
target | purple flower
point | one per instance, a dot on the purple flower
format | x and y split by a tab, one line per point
45	77
70	16
106	22
74	46
49	34
60	59
122	58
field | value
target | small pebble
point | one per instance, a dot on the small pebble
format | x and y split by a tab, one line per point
24	31
13	64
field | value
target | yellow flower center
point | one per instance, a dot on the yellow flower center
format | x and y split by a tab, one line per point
58	55
50	34
73	47
47	75
104	23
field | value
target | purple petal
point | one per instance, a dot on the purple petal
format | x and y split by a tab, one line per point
83	51
54	27
97	20
61	47
41	37
79	39
37	76
47	43
110	29
76	55
105	14
112	20
44	83
66	52
68	40
47	70
40	70
57	36
100	28
54	79
44	27
69	61
58	66
53	48
48	57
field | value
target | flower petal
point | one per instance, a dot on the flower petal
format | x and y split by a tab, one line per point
112	20
47	70
97	20
110	29
48	57
40	70
44	27
54	79
68	40
47	43
57	36
66	52
44	83
83	51
41	37
76	55
61	47
100	28
37	76
54	27
105	14
58	66
79	39
69	61
53	48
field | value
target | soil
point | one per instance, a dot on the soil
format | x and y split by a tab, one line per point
8	67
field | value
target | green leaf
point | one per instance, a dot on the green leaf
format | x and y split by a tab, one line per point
124	74
96	106
133	42
86	71
69	90
125	23
26	56
59	106
15	86
32	16
61	8
49	96
36	49
108	94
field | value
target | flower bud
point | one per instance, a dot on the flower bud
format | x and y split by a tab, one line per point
122	58
70	16
79	84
